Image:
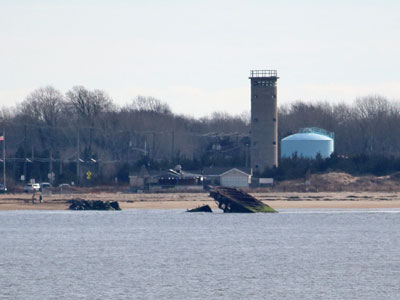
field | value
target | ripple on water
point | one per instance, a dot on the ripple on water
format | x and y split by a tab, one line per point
168	254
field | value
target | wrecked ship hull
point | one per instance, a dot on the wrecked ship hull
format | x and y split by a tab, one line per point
232	200
203	208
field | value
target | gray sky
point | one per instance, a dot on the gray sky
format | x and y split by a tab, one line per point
196	55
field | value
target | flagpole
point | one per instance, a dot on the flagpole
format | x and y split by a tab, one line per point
4	158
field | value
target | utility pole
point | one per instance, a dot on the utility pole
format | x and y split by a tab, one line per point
153	150
247	150
172	145
25	158
129	152
51	167
4	157
78	160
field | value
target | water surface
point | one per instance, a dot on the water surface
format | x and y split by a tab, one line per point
170	254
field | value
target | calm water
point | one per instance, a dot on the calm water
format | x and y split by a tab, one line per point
296	254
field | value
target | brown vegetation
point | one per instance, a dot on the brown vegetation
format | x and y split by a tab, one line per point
341	182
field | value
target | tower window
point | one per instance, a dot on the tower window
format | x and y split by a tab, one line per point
255	120
274	119
273	143
264	82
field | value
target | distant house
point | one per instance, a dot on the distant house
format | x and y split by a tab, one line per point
229	177
170	179
179	179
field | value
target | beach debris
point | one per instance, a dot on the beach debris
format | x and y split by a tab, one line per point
203	208
232	200
80	204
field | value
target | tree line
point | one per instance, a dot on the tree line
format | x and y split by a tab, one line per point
370	125
83	131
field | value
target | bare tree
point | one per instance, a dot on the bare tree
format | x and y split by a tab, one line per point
44	105
373	115
43	108
141	103
88	105
89	109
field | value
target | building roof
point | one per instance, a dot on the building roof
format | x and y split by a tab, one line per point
317	131
307	137
235	169
181	175
217	171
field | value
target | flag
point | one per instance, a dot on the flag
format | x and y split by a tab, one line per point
1	138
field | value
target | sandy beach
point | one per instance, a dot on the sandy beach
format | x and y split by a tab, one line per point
282	200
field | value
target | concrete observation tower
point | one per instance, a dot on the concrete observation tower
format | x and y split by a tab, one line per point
264	120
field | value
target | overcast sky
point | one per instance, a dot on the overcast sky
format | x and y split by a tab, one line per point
196	55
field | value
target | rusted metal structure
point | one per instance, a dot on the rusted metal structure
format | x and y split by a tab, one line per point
232	200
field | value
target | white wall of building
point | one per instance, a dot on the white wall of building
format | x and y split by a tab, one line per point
235	178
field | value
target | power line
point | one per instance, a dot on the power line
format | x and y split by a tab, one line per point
150	132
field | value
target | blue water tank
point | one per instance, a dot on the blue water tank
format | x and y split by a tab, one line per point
308	143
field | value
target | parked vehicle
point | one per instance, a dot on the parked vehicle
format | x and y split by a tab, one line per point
3	189
63	187
32	187
45	186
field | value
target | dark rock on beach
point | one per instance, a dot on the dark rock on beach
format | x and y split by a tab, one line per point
80	204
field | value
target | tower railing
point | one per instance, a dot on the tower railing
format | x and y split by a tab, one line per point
263	73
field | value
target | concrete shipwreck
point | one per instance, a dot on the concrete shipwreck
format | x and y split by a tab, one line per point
203	208
232	200
80	204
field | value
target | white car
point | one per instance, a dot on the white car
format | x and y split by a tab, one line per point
32	187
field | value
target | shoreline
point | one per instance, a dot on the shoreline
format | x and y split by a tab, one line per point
278	200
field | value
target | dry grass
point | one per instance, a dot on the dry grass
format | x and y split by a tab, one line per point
341	182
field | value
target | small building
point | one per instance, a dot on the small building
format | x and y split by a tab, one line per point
179	179
229	177
176	179
308	143
235	178
172	178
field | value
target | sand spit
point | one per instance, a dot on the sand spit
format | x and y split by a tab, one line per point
278	200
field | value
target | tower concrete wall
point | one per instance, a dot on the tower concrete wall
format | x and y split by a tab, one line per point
264	120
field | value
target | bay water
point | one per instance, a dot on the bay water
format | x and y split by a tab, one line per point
171	254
